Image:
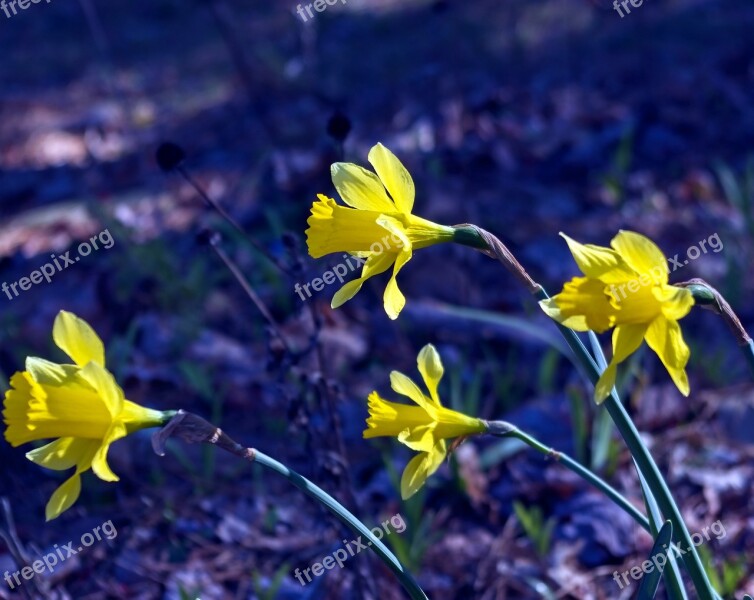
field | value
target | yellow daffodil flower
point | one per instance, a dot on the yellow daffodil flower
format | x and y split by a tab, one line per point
378	229
423	427
626	287
80	404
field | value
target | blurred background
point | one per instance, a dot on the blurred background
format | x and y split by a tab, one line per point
525	118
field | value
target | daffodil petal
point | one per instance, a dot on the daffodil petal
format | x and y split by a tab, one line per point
99	463
360	188
397	229
665	338
418	438
104	383
642	255
420	468
552	310
394	177
375	264
63	498
598	262
676	302
49	373
582	304
405	387
626	340
393	298
431	369
64	453
77	339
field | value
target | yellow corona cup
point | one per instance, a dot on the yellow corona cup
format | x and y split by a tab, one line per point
80	404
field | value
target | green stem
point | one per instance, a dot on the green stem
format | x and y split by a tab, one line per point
672	573
475	237
194	429
167	415
646	464
347	518
504	429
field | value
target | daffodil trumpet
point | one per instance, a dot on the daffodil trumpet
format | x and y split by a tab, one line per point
80	404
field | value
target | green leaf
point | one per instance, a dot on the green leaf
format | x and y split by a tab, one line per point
674	582
518	326
651	580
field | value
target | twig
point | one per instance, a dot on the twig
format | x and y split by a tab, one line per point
214	242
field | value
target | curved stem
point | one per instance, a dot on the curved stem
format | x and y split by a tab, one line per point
708	297
347	518
475	237
193	429
504	429
647	466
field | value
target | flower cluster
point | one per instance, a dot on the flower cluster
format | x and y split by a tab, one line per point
82	406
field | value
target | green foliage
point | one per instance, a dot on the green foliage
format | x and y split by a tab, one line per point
466	397
199	380
615	179
651	581
739	192
548	370
536	528
580	427
185	595
420	533
725	577
270	591
178	285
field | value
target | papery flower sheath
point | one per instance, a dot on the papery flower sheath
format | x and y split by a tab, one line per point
80	404
375	227
423	427
626	288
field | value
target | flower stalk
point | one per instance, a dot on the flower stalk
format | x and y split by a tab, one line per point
191	428
482	240
708	297
505	429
